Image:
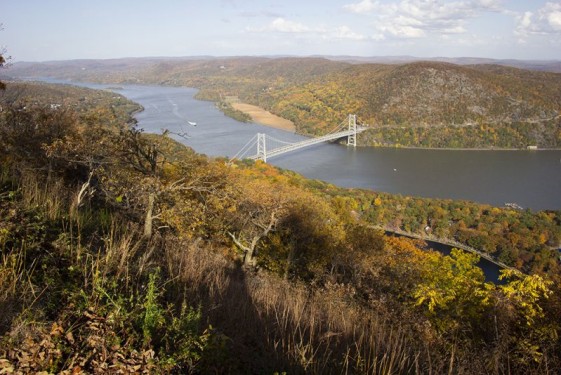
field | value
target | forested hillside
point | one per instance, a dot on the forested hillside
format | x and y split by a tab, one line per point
422	104
127	252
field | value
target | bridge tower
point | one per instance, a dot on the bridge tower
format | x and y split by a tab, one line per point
351	139
261	147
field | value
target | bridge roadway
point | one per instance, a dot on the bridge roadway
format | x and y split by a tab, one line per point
309	142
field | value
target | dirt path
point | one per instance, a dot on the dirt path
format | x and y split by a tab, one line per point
263	117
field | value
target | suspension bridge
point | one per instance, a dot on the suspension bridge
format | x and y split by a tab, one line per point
268	147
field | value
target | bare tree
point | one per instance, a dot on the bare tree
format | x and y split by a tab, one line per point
260	207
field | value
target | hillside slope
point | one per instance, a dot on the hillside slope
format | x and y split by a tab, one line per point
426	104
444	94
125	252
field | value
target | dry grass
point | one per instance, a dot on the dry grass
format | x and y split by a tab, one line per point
16	288
48	196
323	327
272	325
276	325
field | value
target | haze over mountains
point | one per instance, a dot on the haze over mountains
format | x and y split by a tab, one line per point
541	65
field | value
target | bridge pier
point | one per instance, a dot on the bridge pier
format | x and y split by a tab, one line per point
351	139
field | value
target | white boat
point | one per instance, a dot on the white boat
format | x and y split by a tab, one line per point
516	206
192	123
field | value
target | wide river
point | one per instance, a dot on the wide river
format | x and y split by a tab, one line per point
531	179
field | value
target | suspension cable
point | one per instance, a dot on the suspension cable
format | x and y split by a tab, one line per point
253	141
245	148
279	141
337	128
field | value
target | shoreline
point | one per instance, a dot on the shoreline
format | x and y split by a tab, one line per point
462	148
264	117
446	242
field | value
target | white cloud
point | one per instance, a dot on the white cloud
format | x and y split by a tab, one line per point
545	21
365	6
526	20
402	31
285	26
408	21
378	36
422	18
344	32
282	25
491	4
458	29
554	19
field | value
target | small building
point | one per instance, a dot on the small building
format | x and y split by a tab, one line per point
532	147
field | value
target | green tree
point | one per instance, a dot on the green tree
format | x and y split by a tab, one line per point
531	334
26	133
2	62
525	292
453	290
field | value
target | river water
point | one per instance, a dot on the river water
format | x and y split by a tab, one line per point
531	179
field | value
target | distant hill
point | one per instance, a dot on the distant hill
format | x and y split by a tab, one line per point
420	103
539	65
430	93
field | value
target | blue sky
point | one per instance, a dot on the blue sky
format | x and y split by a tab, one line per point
40	30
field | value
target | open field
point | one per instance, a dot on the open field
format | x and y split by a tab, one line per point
263	117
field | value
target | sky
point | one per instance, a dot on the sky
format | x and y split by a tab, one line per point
43	30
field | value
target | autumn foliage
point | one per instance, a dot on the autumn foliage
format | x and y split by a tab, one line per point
419	104
246	268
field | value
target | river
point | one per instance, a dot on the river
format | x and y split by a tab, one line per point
531	179
491	270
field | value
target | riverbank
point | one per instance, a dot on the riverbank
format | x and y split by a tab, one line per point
446	242
463	148
491	148
530	179
263	117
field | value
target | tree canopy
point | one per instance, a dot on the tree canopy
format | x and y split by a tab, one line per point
246	268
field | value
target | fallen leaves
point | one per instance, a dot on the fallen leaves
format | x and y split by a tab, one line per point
87	345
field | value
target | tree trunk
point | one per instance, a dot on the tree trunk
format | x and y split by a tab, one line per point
250	251
149	216
249	258
289	261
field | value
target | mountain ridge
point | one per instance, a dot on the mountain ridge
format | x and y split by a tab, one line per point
551	65
520	106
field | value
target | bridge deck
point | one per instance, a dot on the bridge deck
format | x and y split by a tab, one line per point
308	142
